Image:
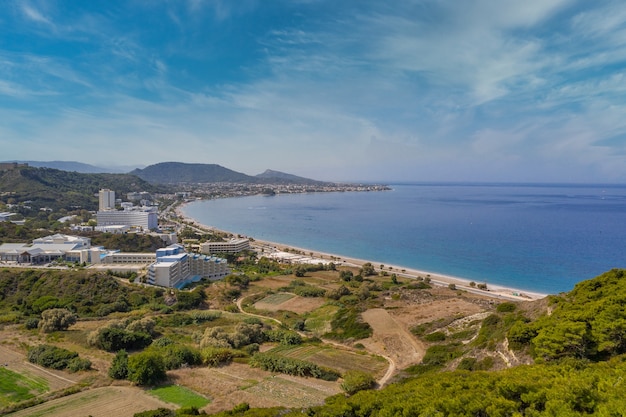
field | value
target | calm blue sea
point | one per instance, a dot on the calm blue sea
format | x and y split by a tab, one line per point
542	238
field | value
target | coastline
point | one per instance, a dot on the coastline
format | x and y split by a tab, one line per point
492	291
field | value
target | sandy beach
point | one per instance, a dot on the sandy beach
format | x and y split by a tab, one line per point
271	249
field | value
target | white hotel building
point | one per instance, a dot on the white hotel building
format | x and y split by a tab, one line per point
145	218
231	246
176	268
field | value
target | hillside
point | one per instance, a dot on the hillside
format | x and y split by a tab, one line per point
278	177
56	189
178	172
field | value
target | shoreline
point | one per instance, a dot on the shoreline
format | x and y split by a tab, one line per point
493	290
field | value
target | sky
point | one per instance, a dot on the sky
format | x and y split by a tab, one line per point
350	90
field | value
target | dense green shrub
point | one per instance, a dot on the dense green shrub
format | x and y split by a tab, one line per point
284	337
50	356
291	366
355	381
78	364
146	368
507	307
177	356
212	356
113	339
119	365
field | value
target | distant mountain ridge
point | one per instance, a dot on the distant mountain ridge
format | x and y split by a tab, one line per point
179	172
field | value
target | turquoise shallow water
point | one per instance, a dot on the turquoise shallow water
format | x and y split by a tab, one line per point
542	238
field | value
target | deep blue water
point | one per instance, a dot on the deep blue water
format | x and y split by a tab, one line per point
542	238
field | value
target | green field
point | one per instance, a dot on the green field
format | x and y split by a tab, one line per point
16	387
179	395
318	321
277	299
338	359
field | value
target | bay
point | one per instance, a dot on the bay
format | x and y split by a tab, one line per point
541	238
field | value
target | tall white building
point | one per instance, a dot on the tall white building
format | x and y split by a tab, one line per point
107	199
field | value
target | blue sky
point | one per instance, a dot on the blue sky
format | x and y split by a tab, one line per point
415	90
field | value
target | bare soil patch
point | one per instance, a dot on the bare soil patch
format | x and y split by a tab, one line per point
411	315
392	339
99	402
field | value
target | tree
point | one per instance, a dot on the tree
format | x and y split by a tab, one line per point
56	319
146	368
367	269
346	275
119	365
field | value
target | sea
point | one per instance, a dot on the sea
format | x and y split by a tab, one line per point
536	237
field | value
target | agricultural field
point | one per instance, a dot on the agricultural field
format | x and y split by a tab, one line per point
179	395
21	380
289	302
16	387
230	385
335	358
318	321
98	402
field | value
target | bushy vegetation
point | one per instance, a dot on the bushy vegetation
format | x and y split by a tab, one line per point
85	293
54	357
347	324
586	323
302	289
146	368
56	319
127	335
291	366
355	381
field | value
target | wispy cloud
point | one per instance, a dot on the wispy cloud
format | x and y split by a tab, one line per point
348	90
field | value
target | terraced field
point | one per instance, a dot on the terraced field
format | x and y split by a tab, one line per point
335	358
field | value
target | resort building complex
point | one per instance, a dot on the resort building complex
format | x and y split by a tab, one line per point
176	268
231	246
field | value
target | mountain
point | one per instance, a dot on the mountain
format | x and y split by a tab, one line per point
281	177
56	189
71	166
179	172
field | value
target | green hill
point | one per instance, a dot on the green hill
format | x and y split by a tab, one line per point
56	189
